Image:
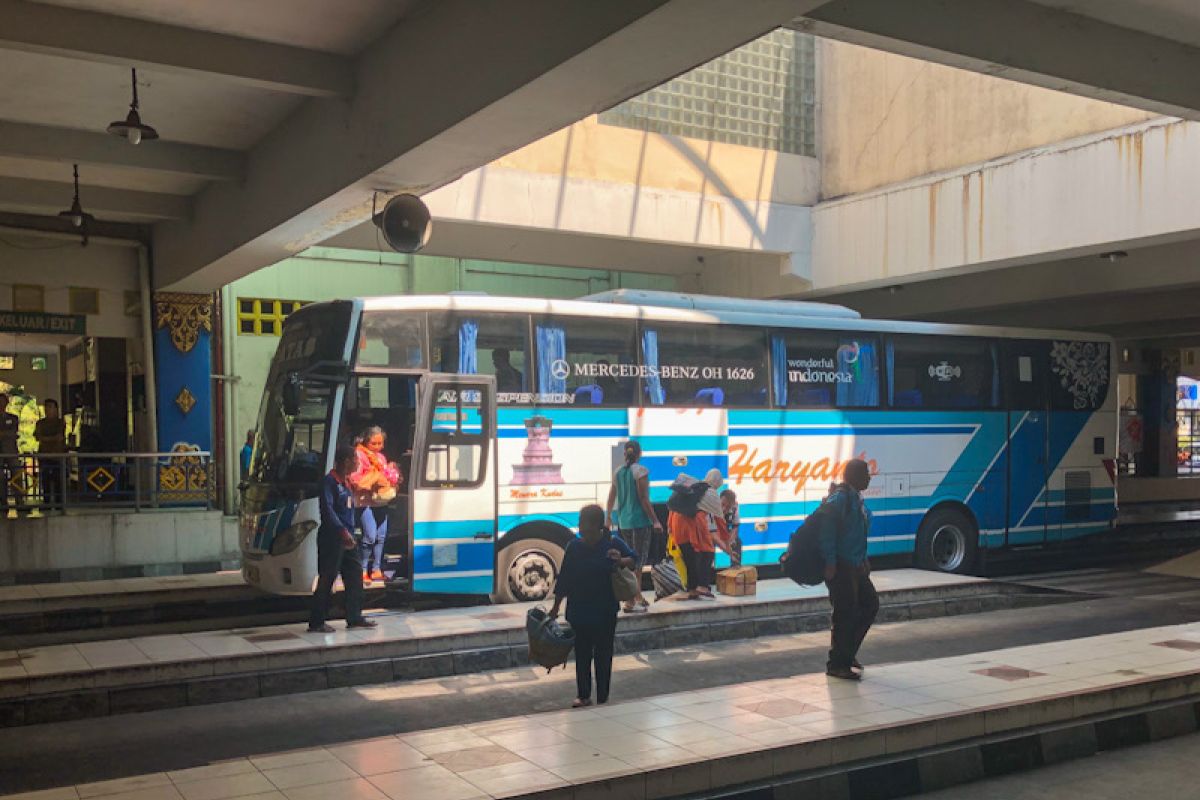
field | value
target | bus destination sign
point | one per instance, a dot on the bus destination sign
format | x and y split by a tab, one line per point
33	322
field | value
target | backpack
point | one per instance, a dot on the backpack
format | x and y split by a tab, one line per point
803	561
550	642
685	499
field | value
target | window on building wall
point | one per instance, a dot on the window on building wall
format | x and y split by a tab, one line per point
264	317
585	361
84	301
760	95
704	365
37	363
942	372
8	362
825	369
26	297
467	343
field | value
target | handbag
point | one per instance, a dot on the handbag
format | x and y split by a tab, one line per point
625	584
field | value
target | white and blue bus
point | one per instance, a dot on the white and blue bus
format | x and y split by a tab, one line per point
508	414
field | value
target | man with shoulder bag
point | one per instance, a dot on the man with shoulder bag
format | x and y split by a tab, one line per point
843	543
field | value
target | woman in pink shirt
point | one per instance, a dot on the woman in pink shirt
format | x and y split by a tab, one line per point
375	483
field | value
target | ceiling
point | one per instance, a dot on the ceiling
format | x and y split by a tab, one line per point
72	95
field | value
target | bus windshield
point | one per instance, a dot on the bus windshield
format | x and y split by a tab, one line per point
292	441
294	419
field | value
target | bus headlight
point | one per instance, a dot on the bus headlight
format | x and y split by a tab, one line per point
292	537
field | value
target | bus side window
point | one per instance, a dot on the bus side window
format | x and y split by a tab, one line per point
586	362
825	369
469	343
942	372
693	365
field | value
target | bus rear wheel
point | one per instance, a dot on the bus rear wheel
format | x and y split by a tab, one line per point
527	570
948	541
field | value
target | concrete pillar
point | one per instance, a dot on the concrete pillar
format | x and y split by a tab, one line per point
1157	391
183	330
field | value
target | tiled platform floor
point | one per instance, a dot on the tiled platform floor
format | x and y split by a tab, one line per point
506	622
120	586
697	740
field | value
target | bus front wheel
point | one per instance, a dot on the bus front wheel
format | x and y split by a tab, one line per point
948	541
527	571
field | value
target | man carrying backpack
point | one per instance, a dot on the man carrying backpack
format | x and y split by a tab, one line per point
843	543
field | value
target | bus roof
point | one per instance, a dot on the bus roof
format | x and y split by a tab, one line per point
702	310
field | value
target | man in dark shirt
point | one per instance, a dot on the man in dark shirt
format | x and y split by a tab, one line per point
337	550
9	463
848	572
508	377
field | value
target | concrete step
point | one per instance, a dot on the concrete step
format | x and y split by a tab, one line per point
284	660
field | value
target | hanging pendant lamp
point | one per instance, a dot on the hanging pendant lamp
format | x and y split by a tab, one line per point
75	214
132	127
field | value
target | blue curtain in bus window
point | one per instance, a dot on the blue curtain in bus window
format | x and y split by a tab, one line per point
654	388
891	369
551	347
468	363
860	360
779	377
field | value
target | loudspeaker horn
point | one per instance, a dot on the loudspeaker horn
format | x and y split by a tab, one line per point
405	223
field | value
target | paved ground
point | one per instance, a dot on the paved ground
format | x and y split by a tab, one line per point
1164	771
90	750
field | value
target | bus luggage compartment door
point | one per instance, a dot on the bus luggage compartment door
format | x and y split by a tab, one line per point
453	485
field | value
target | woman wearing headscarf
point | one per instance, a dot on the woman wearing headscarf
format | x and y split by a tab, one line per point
692	535
585	581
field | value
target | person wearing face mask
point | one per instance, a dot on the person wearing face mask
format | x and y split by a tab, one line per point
843	541
585	582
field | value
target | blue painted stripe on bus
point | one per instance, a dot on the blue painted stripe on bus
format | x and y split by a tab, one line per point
859	431
451	529
506	522
1097	493
566	433
481	584
696	466
669	444
566	416
782	417
470	557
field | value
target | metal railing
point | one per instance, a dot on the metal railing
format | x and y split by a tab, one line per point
60	482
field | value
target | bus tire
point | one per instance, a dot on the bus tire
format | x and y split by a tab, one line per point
948	541
526	571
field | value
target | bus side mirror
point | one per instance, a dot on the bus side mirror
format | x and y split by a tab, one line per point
291	394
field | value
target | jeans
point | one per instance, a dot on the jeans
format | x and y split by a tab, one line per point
374	522
855	605
594	643
334	559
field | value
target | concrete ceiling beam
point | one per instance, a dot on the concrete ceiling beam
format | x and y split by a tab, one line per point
106	38
70	145
436	99
20	194
1027	42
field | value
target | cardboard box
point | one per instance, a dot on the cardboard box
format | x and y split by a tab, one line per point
738	581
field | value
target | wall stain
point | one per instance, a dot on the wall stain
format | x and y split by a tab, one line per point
933	204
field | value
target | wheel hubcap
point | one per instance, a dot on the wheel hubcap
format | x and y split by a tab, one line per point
531	575
949	547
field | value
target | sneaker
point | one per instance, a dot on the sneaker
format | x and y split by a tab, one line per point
322	629
363	623
366	578
845	673
641	609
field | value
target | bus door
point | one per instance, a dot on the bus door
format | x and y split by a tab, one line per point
1026	373
453	485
